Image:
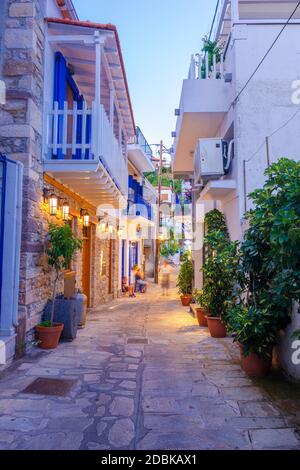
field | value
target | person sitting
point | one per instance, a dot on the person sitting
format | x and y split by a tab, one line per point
141	284
127	288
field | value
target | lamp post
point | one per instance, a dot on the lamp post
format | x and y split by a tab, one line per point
162	150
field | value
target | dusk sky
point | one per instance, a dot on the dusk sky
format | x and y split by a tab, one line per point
157	39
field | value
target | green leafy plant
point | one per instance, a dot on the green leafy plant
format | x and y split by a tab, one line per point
269	267
296	334
253	328
215	221
62	245
210	48
185	276
270	252
219	271
201	298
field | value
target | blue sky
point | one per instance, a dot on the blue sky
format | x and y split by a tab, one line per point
157	39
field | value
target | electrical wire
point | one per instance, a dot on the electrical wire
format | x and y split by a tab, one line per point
273	133
265	56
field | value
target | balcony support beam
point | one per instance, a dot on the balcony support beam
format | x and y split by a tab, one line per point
98	47
234	12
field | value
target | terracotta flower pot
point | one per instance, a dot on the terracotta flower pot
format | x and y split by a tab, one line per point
201	316
255	366
216	327
48	337
186	299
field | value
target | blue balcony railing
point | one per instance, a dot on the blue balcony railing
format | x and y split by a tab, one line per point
141	140
138	207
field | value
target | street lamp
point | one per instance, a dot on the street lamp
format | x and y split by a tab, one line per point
162	150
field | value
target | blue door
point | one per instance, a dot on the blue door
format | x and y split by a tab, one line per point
63	78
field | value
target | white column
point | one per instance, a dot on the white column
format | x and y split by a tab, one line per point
234	11
98	47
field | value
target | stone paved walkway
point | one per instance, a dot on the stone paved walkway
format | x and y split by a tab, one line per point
182	390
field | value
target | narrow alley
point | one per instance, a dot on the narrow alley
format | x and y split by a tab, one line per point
143	375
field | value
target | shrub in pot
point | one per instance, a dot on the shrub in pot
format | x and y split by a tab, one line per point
202	307
256	336
185	280
220	273
61	246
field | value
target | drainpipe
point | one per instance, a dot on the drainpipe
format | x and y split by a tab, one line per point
18	243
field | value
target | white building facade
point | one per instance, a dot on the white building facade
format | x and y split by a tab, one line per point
239	116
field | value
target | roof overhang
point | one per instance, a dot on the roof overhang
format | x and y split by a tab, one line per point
204	105
89	179
217	190
76	40
139	159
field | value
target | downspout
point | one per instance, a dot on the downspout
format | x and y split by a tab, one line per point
18	244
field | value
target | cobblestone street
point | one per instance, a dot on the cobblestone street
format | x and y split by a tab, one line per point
145	377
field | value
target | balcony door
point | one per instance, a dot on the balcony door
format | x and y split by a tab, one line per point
66	90
86	264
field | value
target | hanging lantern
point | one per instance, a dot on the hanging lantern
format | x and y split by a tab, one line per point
65	211
53	203
85	218
110	229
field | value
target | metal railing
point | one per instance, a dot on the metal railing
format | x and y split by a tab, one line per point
84	134
202	69
141	140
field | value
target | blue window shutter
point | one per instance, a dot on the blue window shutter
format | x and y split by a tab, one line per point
88	135
60	93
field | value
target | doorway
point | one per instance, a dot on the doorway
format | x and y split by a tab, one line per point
86	264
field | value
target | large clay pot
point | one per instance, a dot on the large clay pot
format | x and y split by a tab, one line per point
255	366
48	337
186	299
216	327
201	316
65	313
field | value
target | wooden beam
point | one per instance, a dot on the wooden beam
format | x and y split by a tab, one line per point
56	184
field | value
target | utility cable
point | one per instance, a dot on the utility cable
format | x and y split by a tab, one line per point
266	54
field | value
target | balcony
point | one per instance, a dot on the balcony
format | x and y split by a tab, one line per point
140	153
82	152
205	100
88	117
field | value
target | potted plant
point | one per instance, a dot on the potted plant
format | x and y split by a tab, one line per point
219	279
202	307
62	245
185	280
256	335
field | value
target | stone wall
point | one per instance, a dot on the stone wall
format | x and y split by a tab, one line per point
21	119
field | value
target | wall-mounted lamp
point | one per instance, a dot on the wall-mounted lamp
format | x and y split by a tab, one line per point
65	211
85	217
110	229
53	204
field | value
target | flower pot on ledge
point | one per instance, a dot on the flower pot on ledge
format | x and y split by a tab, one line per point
216	327
186	300
202	313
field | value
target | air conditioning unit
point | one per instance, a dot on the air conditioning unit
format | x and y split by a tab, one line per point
212	158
